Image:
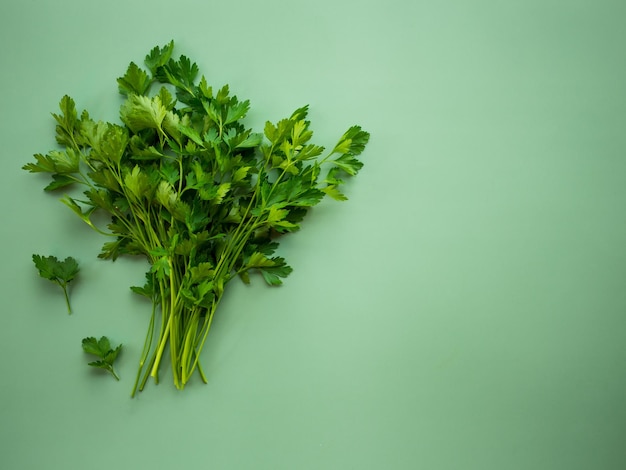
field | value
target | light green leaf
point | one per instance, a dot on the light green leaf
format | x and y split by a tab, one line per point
134	81
205	89
172	124
114	143
137	183
237	112
271	132
240	173
85	216
55	161
191	133
259	260
352	142
140	112
276	214
66	121
333	192
222	191
159	56
253	140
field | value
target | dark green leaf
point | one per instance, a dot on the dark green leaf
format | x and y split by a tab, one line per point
148	289
102	349
59	181
91	346
273	275
51	268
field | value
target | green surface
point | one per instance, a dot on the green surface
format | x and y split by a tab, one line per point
464	310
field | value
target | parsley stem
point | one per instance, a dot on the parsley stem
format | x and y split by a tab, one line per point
114	374
173	325
146	347
161	348
67	297
204	331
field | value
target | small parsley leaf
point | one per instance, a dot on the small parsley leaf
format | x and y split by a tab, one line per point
159	56
102	349
59	272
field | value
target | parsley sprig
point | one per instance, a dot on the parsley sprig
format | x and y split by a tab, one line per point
187	186
102	349
59	272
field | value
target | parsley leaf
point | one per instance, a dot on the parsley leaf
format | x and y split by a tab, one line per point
59	272
67	122
134	81
102	349
272	269
159	56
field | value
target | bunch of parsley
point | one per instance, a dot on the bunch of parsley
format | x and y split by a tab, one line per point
190	188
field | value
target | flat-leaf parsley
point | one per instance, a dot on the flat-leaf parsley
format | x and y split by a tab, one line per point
103	350
191	189
59	272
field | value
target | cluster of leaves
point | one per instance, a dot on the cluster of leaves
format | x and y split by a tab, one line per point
102	349
189	187
59	272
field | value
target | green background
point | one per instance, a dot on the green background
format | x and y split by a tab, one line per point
465	309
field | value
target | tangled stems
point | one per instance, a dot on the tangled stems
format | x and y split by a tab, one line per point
184	329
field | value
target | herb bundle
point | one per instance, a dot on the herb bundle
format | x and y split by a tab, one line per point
190	188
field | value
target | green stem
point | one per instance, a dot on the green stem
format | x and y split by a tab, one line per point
146	349
147	374
153	366
200	371
173	326
189	344
114	374
203	336
161	347
67	297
